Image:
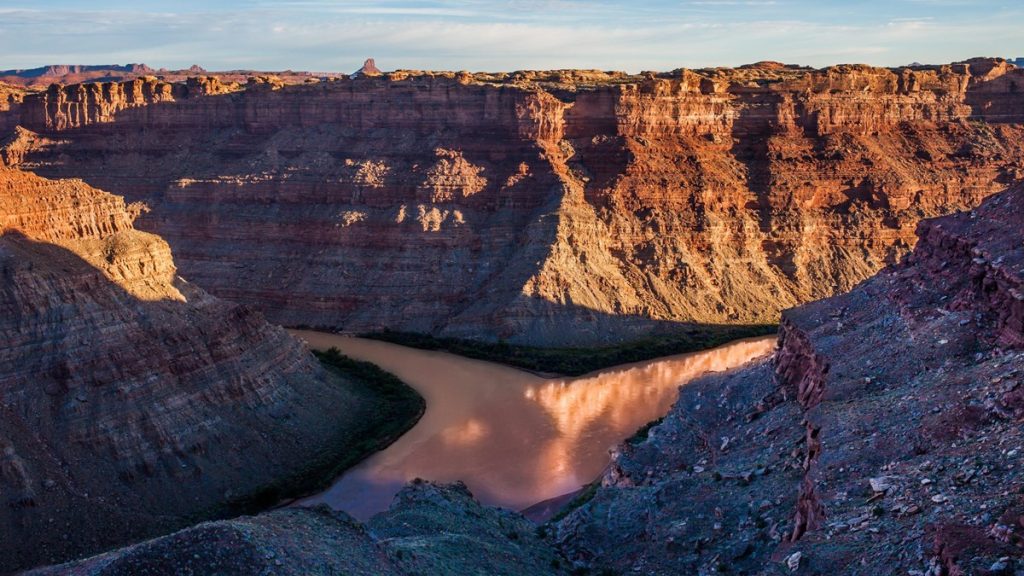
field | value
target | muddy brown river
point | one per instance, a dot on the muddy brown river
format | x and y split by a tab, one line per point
513	437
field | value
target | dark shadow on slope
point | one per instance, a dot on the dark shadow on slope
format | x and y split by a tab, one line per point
752	129
279	245
123	419
997	101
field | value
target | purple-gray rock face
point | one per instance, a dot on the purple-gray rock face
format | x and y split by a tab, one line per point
131	402
884	437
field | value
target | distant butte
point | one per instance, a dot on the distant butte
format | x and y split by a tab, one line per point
369	69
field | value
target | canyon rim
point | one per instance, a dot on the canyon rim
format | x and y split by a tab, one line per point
256	319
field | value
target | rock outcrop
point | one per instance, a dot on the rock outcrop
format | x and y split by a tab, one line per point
510	206
884	437
369	69
430	529
131	402
10	104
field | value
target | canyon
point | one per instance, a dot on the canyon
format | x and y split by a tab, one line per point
505	207
133	403
876	215
883	437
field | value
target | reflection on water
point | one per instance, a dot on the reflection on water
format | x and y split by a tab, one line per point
513	437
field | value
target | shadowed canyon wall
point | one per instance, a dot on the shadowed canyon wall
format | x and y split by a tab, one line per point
565	207
131	402
883	437
10	103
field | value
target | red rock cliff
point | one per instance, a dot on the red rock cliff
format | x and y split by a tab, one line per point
512	206
10	105
131	402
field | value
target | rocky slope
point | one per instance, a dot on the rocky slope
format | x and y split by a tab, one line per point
513	205
885	437
430	529
131	402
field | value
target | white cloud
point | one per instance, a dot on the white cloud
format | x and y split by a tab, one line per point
497	35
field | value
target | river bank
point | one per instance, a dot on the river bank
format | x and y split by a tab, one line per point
578	361
394	409
515	438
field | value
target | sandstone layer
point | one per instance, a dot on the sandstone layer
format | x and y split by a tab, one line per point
131	402
885	437
564	207
10	103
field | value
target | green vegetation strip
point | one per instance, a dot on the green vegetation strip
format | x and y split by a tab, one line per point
577	361
397	408
586	495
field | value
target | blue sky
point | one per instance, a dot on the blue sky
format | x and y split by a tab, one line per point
336	35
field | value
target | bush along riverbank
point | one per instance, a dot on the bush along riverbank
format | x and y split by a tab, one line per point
578	361
388	409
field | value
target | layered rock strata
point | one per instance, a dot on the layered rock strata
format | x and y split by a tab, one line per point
131	402
10	106
883	438
512	206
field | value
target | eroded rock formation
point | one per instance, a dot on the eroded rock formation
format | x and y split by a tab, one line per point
10	103
369	69
516	205
884	437
131	402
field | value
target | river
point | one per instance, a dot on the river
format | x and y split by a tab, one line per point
513	437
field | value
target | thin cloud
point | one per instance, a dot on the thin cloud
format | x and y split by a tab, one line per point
504	34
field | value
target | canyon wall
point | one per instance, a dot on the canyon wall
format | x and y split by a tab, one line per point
10	106
565	207
883	438
131	402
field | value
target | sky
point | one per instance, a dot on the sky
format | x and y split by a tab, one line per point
504	35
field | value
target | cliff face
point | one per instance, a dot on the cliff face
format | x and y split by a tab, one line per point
10	105
132	402
884	437
513	206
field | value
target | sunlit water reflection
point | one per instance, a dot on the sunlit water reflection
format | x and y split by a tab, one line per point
513	437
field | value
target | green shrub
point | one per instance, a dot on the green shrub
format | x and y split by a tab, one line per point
577	361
